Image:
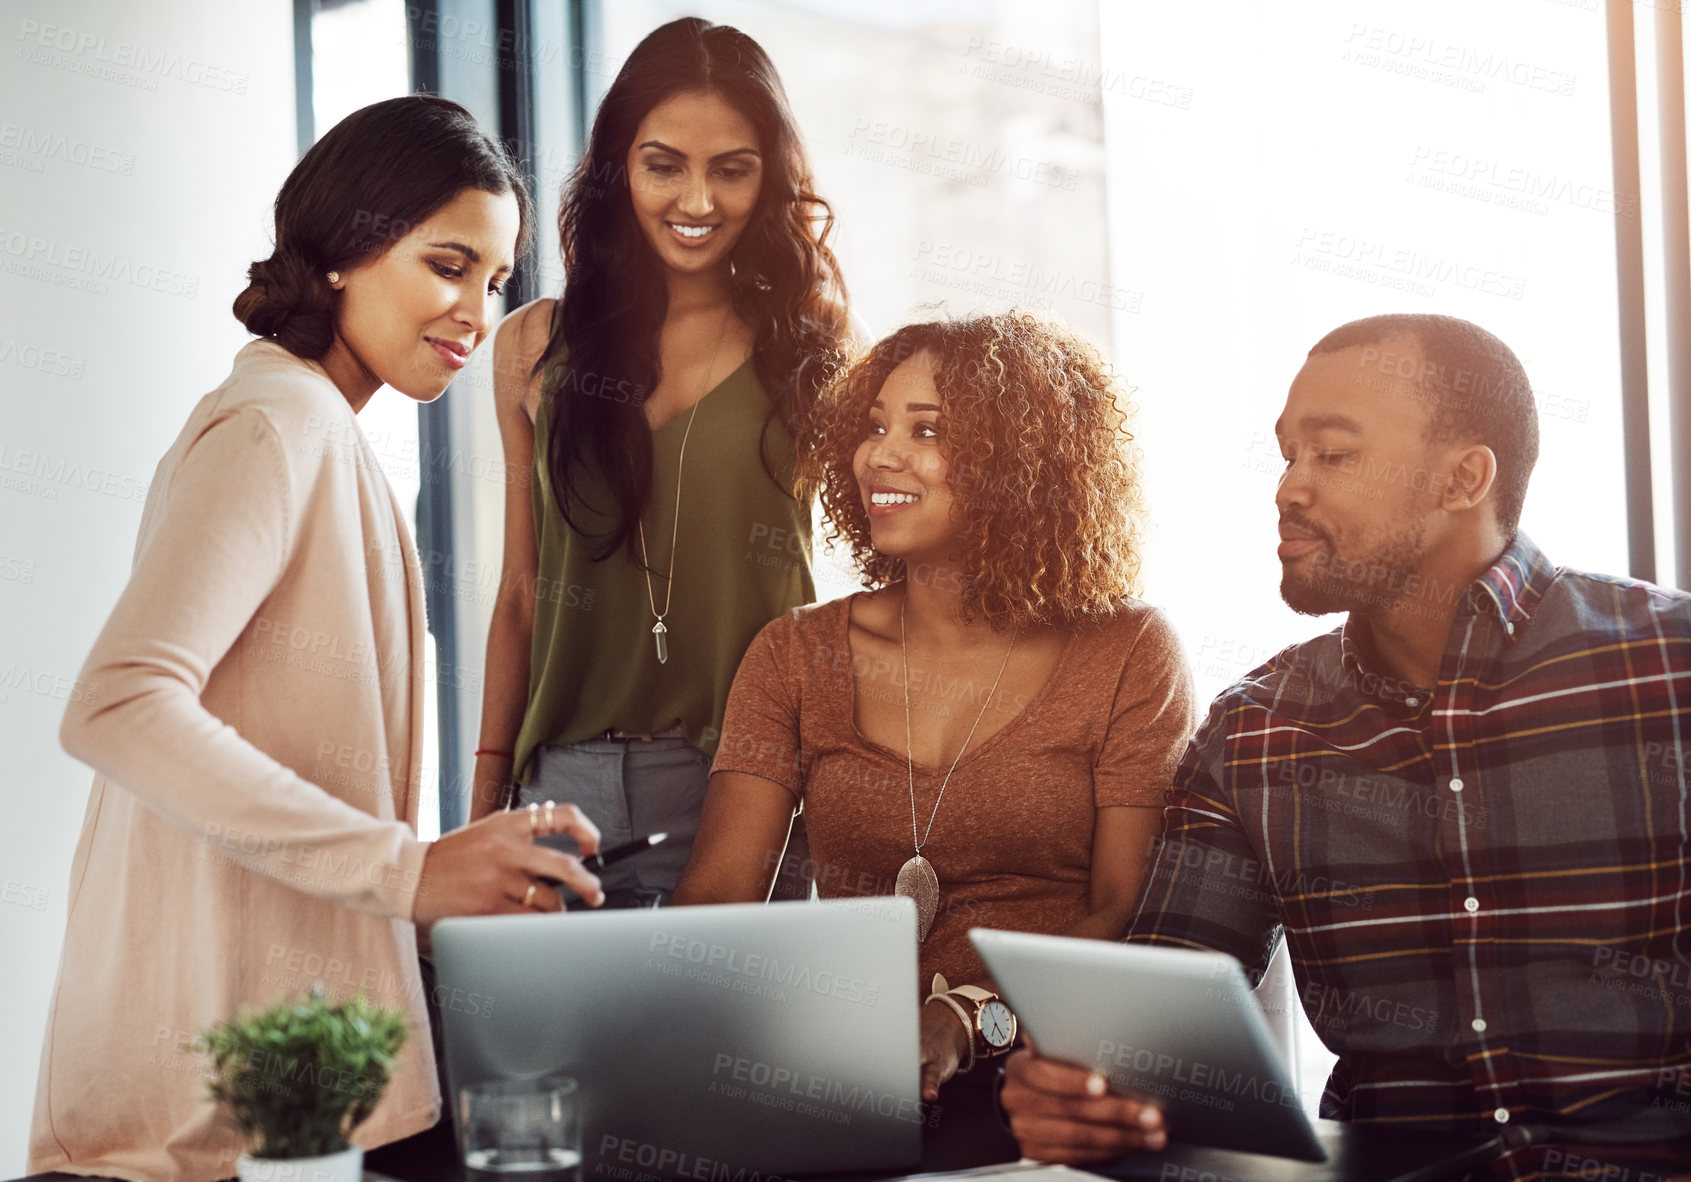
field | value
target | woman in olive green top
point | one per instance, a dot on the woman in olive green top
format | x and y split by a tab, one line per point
647	417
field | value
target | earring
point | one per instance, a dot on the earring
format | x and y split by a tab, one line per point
334	276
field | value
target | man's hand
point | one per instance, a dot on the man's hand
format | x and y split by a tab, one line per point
1063	1113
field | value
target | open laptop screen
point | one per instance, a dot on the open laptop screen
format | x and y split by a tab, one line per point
709	1042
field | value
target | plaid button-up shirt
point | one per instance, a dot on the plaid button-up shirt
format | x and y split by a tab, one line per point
1484	885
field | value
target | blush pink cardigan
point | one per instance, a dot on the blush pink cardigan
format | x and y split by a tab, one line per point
253	709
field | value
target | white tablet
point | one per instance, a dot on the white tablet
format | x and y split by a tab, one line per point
1175	1027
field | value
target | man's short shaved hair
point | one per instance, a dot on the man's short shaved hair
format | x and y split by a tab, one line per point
1475	388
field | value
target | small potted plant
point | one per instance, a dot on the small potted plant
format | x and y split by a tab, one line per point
297	1078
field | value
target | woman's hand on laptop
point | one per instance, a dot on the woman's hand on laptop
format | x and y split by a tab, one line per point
944	1043
492	866
1063	1113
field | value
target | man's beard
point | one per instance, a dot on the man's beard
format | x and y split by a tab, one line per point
1366	582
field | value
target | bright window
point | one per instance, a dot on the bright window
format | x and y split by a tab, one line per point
1326	161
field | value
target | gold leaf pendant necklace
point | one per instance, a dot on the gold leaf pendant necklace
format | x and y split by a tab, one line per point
916	878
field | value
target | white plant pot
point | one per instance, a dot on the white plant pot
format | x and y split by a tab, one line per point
345	1166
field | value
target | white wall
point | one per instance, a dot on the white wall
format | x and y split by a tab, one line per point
141	145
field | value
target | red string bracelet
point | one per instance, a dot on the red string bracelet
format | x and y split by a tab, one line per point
491	751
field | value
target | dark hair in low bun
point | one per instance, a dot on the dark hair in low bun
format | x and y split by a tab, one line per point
373	178
290	301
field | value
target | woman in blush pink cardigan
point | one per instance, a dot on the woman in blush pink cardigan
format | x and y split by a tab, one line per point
254	704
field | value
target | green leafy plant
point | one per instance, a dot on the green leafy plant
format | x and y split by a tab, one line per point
297	1078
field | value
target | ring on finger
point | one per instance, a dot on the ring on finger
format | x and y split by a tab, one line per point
528	895
550	827
533	820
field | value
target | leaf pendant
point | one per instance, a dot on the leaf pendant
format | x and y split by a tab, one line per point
661	635
917	881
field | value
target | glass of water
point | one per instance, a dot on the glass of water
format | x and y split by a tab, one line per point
521	1130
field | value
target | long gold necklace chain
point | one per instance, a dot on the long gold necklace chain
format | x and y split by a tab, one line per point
660	632
917	879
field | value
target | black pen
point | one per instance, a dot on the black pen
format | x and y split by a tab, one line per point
617	853
597	862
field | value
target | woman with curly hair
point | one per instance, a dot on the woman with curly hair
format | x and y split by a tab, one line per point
700	310
990	728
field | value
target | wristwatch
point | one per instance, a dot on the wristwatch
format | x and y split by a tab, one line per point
991	1025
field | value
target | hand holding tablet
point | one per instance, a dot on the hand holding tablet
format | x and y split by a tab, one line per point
1174	1034
1065	1114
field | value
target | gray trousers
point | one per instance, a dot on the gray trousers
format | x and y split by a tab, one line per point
629	788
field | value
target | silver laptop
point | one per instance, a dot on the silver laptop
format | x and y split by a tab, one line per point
1169	1025
709	1042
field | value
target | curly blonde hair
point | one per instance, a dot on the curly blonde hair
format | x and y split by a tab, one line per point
1042	468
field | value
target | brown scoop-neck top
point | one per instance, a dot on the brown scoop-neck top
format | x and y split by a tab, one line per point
1012	841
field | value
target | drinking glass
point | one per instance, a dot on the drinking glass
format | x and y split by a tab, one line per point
521	1130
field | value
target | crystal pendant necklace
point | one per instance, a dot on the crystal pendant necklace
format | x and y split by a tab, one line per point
916	878
660	633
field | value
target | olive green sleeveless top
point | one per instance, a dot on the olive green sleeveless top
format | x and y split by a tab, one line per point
742	558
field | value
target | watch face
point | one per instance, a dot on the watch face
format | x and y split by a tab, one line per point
998	1025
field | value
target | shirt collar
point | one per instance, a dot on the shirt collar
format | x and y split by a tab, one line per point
1509	589
1512	587
1356	654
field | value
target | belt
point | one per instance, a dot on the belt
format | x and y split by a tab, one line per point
678	731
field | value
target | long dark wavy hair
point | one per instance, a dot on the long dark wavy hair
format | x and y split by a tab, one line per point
786	282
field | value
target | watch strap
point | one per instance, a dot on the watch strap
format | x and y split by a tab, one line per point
968	1025
978	1046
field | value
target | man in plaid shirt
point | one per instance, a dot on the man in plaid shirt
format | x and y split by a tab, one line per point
1467	808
